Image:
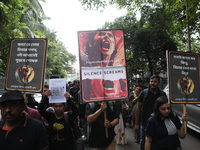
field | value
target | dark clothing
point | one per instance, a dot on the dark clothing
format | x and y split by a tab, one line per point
67	88
118	104
73	91
82	106
97	136
60	133
158	131
148	104
124	113
31	101
29	135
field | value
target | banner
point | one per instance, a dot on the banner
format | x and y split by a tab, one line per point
184	77
26	65
102	65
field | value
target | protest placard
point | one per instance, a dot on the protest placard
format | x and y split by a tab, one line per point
26	65
58	89
184	77
102	65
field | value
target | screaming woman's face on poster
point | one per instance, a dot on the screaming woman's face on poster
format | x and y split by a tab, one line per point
101	48
105	41
102	65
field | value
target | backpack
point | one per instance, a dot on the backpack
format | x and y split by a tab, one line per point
77	133
92	105
74	127
146	93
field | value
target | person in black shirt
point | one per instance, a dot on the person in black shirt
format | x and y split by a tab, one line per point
145	105
75	88
17	130
60	134
103	117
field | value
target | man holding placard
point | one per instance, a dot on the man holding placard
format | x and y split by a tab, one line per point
103	117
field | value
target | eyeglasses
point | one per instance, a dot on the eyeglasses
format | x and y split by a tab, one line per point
11	106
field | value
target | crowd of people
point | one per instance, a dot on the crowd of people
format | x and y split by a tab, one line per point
52	126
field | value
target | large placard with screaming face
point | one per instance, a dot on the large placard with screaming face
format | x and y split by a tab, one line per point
102	65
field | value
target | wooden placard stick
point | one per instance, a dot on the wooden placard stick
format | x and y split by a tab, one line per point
25	99
105	118
184	122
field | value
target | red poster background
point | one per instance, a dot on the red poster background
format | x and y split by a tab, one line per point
102	65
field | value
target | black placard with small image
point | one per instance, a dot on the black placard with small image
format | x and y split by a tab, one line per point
184	77
26	65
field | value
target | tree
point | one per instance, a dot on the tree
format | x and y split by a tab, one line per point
129	4
146	41
130	26
33	17
23	19
59	60
10	25
151	49
185	17
186	22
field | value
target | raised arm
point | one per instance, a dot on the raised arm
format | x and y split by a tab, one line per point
75	112
44	104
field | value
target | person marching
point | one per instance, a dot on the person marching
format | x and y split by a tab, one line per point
102	130
164	128
145	105
17	130
60	134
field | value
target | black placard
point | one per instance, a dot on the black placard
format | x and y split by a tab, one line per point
26	65
184	77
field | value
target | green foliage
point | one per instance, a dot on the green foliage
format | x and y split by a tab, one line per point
33	17
184	16
164	25
129	4
59	60
146	41
93	4
10	12
186	20
23	19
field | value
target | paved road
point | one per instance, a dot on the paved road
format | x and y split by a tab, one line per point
131	145
191	142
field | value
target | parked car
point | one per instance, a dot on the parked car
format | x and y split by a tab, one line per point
193	111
